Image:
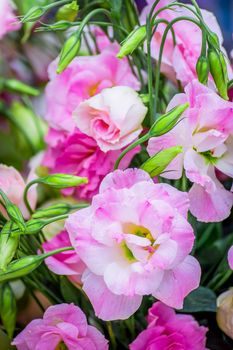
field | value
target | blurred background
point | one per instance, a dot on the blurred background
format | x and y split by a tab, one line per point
223	10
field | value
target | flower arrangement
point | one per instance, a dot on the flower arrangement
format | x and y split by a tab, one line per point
116	167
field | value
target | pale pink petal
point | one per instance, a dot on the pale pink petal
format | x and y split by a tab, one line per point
230	257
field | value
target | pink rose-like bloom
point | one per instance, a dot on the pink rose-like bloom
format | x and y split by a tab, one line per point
66	263
167	330
205	133
230	257
13	185
113	117
79	154
85	76
135	240
8	21
63	324
179	61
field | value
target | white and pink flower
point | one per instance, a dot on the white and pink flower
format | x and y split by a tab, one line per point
135	240
206	135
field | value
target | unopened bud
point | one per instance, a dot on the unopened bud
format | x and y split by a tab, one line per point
132	42
158	163
218	72
8	245
14	85
213	39
225	312
167	121
8	309
57	209
202	68
69	52
68	12
33	14
62	180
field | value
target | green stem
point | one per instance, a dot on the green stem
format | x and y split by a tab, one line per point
25	195
223	280
111	335
129	148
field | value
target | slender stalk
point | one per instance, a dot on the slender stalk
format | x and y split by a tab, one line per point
111	335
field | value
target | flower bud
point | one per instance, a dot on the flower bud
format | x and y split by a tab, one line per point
62	180
60	25
69	51
19	87
29	139
158	163
8	309
218	72
68	12
225	312
8	246
57	209
33	14
213	39
202	68
134	39
15	215
167	121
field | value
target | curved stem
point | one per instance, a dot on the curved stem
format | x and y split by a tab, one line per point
25	194
129	148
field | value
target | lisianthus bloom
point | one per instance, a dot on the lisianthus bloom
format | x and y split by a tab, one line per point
66	263
8	21
225	312
63	326
205	133
85	76
230	257
79	154
113	117
179	61
166	330
135	240
13	185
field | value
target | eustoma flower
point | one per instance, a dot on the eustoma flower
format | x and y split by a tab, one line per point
166	330
179	61
135	240
8	21
63	326
206	135
69	150
66	263
113	117
13	185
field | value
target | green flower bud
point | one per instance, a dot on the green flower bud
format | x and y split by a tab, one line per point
213	39
68	12
57	209
13	211
202	68
19	87
33	14
167	121
60	25
27	264
218	72
62	180
69	51
8	309
132	42
29	139
158	163
8	246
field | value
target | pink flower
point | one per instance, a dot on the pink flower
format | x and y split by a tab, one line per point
78	154
63	324
135	240
205	133
167	330
13	185
86	76
8	21
113	117
230	257
66	263
179	61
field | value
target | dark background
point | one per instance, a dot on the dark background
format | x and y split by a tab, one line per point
223	10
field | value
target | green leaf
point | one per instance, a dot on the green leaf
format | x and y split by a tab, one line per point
69	292
200	300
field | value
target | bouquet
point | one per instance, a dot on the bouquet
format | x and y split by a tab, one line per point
116	152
